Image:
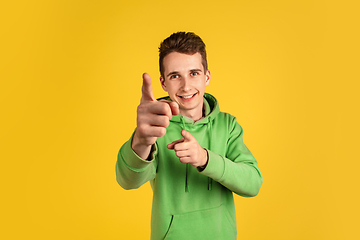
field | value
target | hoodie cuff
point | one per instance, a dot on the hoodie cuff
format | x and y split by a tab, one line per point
133	160
215	167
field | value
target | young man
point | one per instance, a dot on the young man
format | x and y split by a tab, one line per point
192	154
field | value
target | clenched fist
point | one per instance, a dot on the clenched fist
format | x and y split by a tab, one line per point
153	117
188	150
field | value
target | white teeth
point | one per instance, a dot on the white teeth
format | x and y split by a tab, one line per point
186	97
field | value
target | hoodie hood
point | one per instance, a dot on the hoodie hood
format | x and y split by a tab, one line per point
211	110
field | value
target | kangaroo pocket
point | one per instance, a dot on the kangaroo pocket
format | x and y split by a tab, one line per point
214	223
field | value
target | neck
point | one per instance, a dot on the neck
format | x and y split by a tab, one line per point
194	114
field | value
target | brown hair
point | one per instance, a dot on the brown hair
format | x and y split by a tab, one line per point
182	42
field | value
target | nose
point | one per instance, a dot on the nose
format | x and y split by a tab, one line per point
185	84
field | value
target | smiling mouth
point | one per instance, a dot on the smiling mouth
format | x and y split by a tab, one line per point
188	96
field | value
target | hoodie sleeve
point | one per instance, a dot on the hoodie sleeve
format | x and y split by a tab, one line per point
238	170
133	171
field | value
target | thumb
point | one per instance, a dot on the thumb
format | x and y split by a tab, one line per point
187	136
173	106
147	91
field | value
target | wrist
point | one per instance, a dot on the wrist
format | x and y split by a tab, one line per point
206	160
142	150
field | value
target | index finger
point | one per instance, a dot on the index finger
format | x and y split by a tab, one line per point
172	145
147	91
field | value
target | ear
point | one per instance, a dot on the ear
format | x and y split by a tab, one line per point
162	81
208	77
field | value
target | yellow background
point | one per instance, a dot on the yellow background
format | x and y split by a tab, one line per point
70	84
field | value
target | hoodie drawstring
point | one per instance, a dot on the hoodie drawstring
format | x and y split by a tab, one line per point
186	178
187	164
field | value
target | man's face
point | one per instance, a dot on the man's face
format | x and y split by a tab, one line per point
185	81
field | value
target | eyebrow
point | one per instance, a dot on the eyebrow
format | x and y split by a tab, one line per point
196	70
172	73
192	70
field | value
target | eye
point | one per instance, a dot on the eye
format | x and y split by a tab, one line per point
193	74
174	76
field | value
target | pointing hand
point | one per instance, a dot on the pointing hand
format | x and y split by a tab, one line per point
153	117
188	150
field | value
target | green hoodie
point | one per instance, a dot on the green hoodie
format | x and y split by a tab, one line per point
189	203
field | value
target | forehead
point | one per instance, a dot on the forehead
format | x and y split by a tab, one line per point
181	62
